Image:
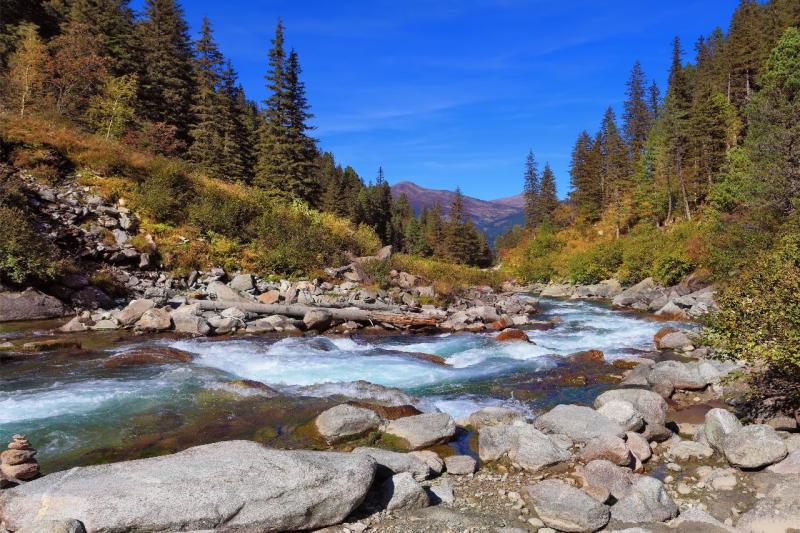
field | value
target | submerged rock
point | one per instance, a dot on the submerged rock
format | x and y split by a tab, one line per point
151	355
231	485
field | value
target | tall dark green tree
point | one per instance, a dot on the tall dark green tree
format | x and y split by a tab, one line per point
638	118
166	80
586	194
746	51
774	134
286	151
654	100
210	109
531	191
615	172
548	197
677	107
111	22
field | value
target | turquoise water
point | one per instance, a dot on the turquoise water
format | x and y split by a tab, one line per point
76	411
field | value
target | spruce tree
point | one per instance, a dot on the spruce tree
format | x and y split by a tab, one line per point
166	59
638	118
773	141
532	188
586	194
209	109
111	22
746	51
286	152
615	175
300	175
654	100
676	123
548	197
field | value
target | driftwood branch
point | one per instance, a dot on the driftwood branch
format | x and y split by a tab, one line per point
299	311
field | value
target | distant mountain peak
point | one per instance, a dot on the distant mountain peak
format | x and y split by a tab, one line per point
493	217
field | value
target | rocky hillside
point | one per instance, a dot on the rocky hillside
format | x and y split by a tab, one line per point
492	217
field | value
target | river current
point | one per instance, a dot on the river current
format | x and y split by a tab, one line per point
76	411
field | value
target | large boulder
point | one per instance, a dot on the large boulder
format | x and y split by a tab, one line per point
753	446
623	413
718	424
29	305
533	450
317	320
645	501
461	465
154	320
609	448
390	463
652	406
566	508
682	376
188	319
675	340
601	473
235	485
525	445
790	465
345	421
638	296
134	311
578	423
224	293
424	430
779	511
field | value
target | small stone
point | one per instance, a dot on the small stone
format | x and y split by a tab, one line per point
460	465
724	483
402	492
683	489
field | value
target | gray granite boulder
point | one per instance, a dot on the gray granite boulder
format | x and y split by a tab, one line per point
578	423
402	492
390	463
421	431
235	485
645	501
345	421
460	465
29	305
718	423
753	446
566	508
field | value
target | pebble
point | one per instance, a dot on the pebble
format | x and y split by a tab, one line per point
535	522
675	467
668	479
684	489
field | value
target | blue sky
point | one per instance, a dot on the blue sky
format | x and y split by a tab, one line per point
450	93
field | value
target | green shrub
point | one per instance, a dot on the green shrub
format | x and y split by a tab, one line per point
595	264
215	210
164	190
671	268
759	312
378	271
24	256
637	258
539	257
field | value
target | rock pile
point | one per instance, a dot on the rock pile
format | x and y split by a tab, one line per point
683	301
18	463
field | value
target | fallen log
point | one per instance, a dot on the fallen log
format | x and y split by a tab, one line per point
299	311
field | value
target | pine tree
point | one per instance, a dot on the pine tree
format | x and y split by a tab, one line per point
111	22
240	127
638	118
209	109
300	176
773	141
746	51
615	167
286	151
531	191
166	77
654	100
676	122
548	197
586	193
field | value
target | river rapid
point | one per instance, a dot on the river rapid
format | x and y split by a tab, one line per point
77	411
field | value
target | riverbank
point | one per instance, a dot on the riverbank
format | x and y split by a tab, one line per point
633	458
